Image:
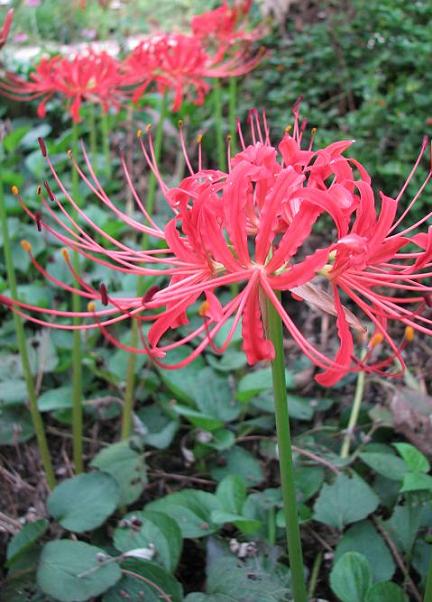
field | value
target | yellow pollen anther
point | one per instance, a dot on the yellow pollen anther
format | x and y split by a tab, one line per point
409	334
139	133
65	254
26	246
148	127
39	190
229	138
376	339
15	190
313	131
203	309
288	129
69	154
180	123
199	138
91	307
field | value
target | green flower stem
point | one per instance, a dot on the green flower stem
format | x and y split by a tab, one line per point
232	113
104	121
77	411
92	127
20	335
128	402
218	118
428	590
285	457
355	412
158	139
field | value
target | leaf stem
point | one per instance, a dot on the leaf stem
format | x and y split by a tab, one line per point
355	412
128	402
286	464
232	113
77	411
104	117
428	590
20	335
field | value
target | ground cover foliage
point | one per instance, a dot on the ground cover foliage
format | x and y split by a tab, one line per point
189	507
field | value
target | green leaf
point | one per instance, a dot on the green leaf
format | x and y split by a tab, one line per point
144	581
198	419
197	597
72	571
15	426
228	576
213	396
350	578
55	399
387	465
308	481
25	538
139	529
181	382
231	492
84	502
415	460
254	383
403	526
386	592
246	525
126	466
365	539
230	361
239	461
416	481
345	501
13	392
191	509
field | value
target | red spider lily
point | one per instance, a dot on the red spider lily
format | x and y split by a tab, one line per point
180	63
251	226
224	24
4	31
93	77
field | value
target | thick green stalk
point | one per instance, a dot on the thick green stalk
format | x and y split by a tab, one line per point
286	464
20	335
428	590
104	119
355	412
77	411
158	139
128	402
232	113
218	119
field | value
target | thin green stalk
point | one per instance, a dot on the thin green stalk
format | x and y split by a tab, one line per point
92	127
77	411
428	590
286	464
128	402
232	113
355	412
104	120
218	117
20	335
314	575
157	143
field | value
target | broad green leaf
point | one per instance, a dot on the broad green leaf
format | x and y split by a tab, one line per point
25	538
416	481
350	578
254	383
139	529
191	509
181	382
415	460
387	465
13	392
308	480
213	396
365	539
144	581
74	571
197	597
386	592
346	500
56	399
15	425
403	526
231	492
84	502
230	361
244	524
198	419
239	461
128	468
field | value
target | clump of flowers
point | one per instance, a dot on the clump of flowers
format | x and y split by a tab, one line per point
180	63
93	77
226	24
252	227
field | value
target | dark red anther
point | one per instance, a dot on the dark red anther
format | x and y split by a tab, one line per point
103	293
42	146
148	295
49	191
38	218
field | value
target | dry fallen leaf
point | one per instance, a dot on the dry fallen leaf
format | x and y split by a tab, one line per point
412	415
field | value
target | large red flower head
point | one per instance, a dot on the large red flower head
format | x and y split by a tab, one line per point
5	29
93	77
179	63
252	227
226	24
